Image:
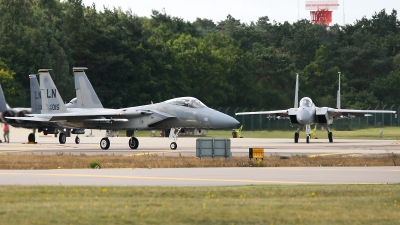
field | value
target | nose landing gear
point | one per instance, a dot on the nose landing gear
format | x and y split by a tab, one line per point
173	134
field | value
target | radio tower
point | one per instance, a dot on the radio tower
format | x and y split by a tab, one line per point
323	13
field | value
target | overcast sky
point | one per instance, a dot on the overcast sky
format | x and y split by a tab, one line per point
249	10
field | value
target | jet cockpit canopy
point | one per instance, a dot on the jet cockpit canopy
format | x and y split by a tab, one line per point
187	102
72	103
306	102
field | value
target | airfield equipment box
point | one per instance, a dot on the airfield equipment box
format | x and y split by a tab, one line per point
256	153
213	148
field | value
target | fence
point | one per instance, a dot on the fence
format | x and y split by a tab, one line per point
261	122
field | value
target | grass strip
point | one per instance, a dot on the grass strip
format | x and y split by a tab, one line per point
70	161
270	204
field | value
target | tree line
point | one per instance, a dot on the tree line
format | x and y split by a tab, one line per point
136	60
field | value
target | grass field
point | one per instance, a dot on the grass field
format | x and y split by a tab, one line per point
268	204
82	161
310	204
389	133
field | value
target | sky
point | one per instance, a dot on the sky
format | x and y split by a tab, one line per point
249	10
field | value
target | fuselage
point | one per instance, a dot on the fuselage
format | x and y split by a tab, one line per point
179	112
306	111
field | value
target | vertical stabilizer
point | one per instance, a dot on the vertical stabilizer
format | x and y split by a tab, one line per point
36	100
3	104
85	94
338	95
296	93
51	98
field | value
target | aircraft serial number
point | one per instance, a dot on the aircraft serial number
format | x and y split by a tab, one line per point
54	106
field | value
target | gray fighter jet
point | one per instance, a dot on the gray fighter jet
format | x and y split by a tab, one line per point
172	114
308	114
10	115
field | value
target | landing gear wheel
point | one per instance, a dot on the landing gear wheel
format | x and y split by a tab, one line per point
330	137
308	139
31	137
62	139
296	137
173	145
104	143
77	140
133	143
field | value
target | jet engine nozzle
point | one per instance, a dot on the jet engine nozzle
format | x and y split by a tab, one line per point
21	113
8	113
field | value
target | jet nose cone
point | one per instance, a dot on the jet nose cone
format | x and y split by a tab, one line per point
221	120
303	116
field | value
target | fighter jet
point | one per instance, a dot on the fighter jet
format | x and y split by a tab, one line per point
10	115
172	114
307	114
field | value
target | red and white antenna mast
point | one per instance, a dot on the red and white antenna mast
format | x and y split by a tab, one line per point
322	11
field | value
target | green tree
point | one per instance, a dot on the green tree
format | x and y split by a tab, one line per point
8	83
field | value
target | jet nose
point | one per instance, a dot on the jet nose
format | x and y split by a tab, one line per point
303	116
221	120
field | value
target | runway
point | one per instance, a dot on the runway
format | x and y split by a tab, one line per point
204	176
201	176
187	146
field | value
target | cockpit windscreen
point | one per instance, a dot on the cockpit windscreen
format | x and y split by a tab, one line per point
187	102
306	102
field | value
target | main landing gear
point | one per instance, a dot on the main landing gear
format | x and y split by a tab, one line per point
134	142
105	142
77	140
308	133
31	137
330	136
62	138
296	136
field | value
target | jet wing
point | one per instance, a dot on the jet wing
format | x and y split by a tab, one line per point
97	115
276	113
351	113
